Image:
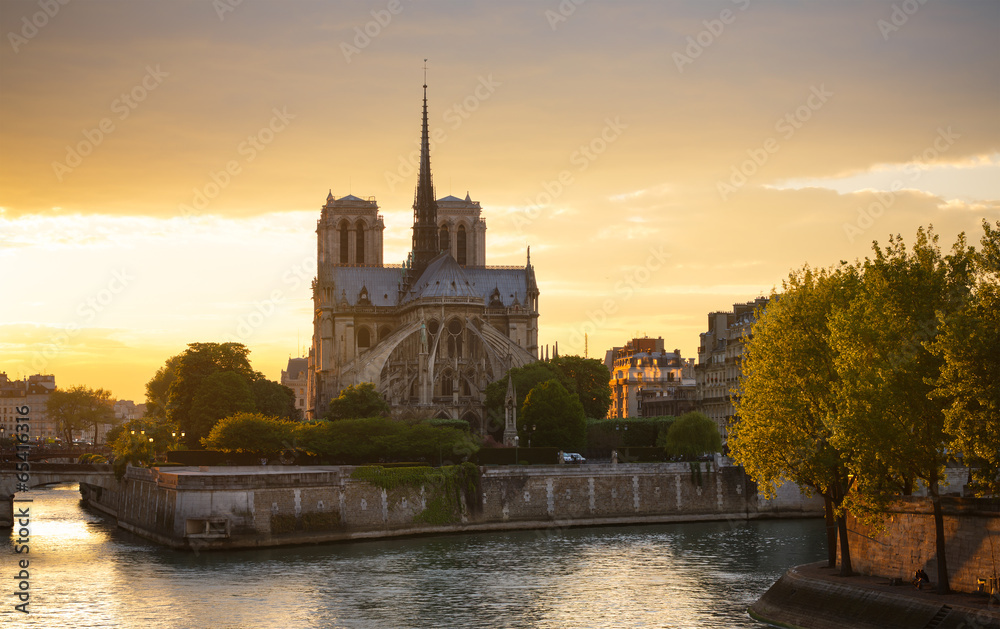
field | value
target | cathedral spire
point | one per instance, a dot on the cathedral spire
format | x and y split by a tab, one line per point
425	245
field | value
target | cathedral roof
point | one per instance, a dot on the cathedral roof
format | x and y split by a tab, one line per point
443	278
451	198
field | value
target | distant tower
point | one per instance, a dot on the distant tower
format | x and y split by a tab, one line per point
425	236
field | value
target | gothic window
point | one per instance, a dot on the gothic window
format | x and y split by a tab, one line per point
444	239
384	332
432	327
364	338
446	383
344	240
455	326
360	246
461	245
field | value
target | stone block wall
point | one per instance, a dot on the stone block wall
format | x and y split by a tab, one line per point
972	534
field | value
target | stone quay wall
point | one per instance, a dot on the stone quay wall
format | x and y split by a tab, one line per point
907	544
243	507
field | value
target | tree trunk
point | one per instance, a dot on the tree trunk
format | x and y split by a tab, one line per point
944	586
845	547
831	533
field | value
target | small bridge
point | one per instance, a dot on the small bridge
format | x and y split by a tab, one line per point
41	474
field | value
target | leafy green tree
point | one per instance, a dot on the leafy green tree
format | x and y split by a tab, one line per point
251	433
193	366
80	408
592	381
525	378
692	435
219	395
356	401
375	439
888	419
786	397
158	389
552	417
274	399
969	344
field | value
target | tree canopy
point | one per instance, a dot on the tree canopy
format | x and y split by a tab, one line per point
692	435
356	401
208	381
552	417
592	381
80	408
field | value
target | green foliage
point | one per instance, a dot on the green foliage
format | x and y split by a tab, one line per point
591	380
209	381
357	401
251	433
692	435
552	417
969	344
367	440
442	422
222	394
525	378
92	458
274	399
80	408
444	487
626	433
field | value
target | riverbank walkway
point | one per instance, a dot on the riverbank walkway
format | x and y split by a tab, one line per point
812	596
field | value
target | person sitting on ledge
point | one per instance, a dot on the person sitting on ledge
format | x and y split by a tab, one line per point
920	578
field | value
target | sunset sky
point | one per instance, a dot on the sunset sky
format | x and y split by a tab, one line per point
162	164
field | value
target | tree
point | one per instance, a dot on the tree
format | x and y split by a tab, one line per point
158	389
80	408
252	433
592	381
274	399
888	419
969	344
356	401
786	397
552	417
692	435
525	378
219	395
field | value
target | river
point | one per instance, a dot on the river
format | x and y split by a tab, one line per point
85	572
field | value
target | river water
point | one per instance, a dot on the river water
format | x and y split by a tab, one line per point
85	572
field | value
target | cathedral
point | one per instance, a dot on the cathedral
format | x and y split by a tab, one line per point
430	333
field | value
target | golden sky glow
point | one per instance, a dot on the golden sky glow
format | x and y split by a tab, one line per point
162	164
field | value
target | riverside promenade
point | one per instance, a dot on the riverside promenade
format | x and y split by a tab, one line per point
812	596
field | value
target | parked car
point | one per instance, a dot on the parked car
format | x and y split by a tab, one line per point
573	457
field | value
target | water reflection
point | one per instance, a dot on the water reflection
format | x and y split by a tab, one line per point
86	572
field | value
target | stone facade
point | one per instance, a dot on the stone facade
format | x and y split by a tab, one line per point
648	381
239	507
430	333
720	357
32	392
972	533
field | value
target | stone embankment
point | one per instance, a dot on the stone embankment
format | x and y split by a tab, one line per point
815	597
245	507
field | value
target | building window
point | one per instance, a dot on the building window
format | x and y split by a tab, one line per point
460	241
360	245
444	240
344	241
364	338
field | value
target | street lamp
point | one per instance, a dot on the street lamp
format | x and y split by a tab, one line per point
515	449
